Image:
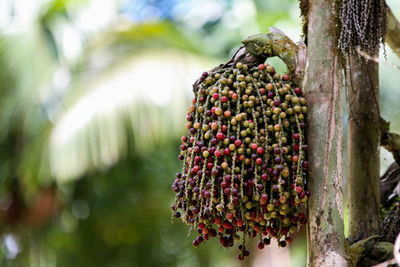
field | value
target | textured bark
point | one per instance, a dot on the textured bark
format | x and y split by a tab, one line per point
364	136
393	32
323	86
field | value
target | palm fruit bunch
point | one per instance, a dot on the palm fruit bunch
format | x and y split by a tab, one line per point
244	157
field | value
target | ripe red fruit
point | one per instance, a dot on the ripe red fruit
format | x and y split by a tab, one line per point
202	225
240	257
224	128
264	176
259	161
227	225
264	198
260	245
224	99
220	136
261	67
260	150
210	166
227	151
296	136
229	216
253	146
215	96
263	91
238	142
297	91
217	153
299	189
296	147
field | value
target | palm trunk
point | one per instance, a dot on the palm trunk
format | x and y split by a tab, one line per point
323	86
364	136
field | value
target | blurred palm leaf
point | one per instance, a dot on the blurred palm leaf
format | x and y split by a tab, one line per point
145	93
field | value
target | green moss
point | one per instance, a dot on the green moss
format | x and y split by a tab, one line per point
304	8
353	254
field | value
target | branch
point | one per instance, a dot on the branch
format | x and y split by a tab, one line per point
390	141
393	32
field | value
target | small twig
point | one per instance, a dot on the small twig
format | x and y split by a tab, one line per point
375	59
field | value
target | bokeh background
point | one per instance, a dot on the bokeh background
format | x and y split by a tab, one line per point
93	95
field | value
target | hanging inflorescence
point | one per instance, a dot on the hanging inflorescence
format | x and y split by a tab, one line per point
363	24
244	167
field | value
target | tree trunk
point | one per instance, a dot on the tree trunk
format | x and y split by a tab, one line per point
323	85
364	136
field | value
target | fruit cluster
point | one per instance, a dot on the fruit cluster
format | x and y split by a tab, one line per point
244	166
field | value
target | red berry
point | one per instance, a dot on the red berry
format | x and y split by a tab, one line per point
227	225
202	225
259	161
220	136
264	197
253	146
210	166
260	150
263	91
296	136
297	91
264	176
227	151
261	66
234	96
224	99
224	128
238	142
285	77
260	245
240	257
229	216
299	189
296	147
215	96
